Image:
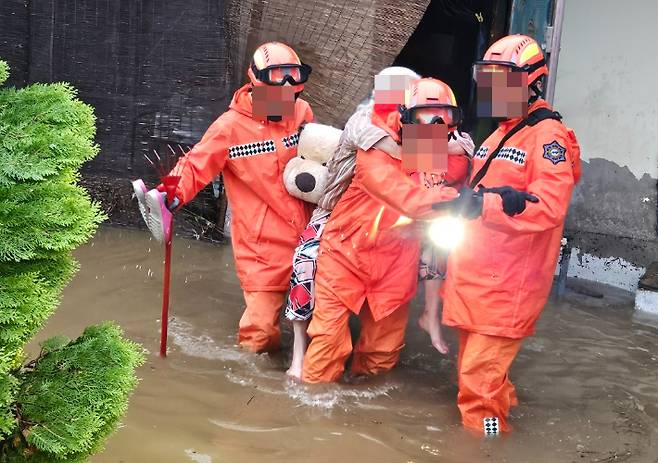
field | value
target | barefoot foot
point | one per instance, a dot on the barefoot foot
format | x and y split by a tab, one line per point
295	372
432	326
298	349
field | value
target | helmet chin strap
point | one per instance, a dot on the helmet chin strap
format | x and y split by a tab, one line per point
537	91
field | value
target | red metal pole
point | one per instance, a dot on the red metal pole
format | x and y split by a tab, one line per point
165	298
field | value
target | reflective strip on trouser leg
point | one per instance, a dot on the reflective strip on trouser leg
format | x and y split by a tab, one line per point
379	345
484	387
259	326
331	343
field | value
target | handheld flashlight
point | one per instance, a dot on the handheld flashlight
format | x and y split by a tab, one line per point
447	232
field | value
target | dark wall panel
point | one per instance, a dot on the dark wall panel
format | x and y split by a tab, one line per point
14	39
155	71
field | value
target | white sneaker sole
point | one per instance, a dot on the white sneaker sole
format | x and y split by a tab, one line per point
159	216
140	193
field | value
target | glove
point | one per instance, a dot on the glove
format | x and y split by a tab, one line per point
174	204
514	201
471	203
468	204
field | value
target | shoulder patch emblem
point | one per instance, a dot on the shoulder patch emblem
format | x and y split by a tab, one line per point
555	152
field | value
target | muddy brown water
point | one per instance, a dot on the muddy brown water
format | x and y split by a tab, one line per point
587	382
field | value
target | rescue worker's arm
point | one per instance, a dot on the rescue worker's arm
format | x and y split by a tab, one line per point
388	145
205	161
381	176
309	117
366	135
460	152
550	179
459	166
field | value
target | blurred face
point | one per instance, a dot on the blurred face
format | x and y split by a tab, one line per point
425	147
390	90
273	101
501	92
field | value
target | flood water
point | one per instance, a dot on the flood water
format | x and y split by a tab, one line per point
587	382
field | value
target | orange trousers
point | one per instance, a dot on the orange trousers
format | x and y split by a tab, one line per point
259	329
485	390
377	350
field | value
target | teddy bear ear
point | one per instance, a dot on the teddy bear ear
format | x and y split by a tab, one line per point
318	142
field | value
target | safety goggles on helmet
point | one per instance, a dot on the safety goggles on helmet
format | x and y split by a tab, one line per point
504	66
280	74
432	114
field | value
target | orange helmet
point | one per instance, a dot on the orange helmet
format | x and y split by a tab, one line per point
275	63
430	101
517	53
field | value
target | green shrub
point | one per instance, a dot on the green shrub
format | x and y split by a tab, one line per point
62	405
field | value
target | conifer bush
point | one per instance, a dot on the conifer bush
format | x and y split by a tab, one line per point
62	405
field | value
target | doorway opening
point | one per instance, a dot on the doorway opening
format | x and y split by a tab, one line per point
451	35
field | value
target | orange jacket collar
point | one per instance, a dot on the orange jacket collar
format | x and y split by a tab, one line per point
509	123
241	101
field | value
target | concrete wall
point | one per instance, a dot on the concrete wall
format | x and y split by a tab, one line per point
606	92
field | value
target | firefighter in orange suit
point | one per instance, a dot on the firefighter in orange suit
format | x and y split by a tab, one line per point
251	151
365	258
497	285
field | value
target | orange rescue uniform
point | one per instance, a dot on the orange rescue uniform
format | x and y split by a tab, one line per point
498	282
266	221
364	258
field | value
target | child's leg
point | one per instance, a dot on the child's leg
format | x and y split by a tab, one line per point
301	299
299	309
432	271
429	321
300	344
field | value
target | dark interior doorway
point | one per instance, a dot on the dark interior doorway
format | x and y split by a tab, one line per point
451	35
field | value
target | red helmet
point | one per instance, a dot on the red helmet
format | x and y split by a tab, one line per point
275	63
516	53
430	101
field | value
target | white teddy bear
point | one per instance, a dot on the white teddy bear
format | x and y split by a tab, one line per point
305	175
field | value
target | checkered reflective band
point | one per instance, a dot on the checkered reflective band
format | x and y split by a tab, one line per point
512	154
481	153
251	149
291	140
491	427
